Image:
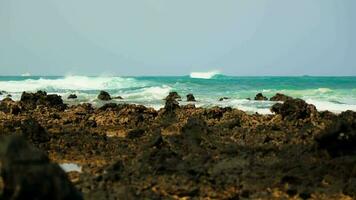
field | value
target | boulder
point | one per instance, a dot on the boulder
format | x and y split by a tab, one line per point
260	97
223	98
33	131
339	138
32	100
190	97
28	173
174	96
280	97
294	109
171	102
7	105
72	96
104	96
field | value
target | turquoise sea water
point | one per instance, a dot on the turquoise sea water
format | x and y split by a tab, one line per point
326	93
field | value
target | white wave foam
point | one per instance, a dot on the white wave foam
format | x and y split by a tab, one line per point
331	106
149	93
70	83
204	75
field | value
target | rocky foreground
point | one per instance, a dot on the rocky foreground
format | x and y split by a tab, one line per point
178	152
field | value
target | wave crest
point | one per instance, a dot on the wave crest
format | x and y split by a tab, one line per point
205	75
71	83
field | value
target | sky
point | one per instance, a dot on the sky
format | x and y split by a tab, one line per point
176	37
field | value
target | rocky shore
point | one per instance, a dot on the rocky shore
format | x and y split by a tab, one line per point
178	152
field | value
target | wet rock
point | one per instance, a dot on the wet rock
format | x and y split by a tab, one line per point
7	105
173	96
33	131
72	96
171	102
190	97
340	137
293	109
27	173
104	96
32	100
224	98
260	97
135	133
280	97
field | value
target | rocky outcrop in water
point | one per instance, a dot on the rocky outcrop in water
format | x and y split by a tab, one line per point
280	97
104	96
190	97
173	96
30	101
224	98
295	109
260	97
72	96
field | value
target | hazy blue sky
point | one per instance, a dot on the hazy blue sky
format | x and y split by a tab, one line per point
175	37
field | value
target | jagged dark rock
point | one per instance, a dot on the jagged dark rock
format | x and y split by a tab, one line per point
280	97
72	96
339	138
224	98
30	101
173	96
104	96
33	131
171	102
294	109
7	105
27	173
190	97
260	97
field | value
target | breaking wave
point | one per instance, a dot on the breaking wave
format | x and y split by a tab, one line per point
205	75
70	83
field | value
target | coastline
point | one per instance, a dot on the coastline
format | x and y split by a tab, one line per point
134	152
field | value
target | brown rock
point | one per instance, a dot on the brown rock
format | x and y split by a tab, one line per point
32	100
72	96
104	96
294	109
190	97
280	97
260	97
27	173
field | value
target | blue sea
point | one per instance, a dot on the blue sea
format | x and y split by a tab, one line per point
335	94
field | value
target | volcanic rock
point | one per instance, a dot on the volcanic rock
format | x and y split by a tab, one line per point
340	137
223	98
7	105
72	96
104	96
280	97
27	173
173	96
190	97
260	97
33	131
30	101
294	109
171	102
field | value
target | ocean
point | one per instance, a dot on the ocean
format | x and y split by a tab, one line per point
335	94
